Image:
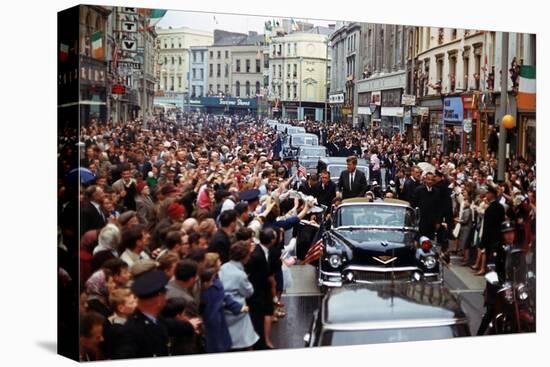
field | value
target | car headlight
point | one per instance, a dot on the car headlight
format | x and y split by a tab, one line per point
429	262
335	261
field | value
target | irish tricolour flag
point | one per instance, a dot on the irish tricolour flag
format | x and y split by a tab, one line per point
526	98
97	45
155	17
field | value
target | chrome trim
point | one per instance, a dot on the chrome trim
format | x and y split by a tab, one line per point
377	227
331	284
385	262
393	324
400	281
376	203
330	274
377	269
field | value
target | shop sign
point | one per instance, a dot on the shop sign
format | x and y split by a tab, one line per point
376	98
408	99
336	98
453	110
391	98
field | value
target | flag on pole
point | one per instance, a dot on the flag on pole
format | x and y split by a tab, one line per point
526	98
155	17
314	253
63	52
97	45
294	25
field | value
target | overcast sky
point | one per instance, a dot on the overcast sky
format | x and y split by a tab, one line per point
227	22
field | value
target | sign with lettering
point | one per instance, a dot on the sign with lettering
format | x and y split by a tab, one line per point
453	110
129	65
336	98
129	27
375	98
408	99
129	45
128	10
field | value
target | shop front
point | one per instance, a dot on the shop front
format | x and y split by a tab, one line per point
470	122
453	118
430	114
391	121
228	105
336	102
363	110
93	91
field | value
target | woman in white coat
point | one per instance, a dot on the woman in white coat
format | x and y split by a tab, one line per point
236	283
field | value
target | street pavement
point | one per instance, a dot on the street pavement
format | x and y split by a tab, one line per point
302	298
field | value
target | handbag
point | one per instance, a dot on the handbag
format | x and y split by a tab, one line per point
456	230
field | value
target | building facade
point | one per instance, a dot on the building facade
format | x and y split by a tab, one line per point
198	71
344	71
173	55
378	97
299	65
93	63
236	69
459	94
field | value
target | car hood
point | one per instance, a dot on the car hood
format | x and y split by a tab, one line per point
375	239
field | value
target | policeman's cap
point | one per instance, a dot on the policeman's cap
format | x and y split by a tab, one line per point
150	284
507	226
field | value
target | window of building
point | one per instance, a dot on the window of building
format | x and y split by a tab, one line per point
258	67
180	60
211	73
247	65
257	87
194	56
280	72
238	66
219	54
165	83
295	73
202	73
454	33
201	91
266	61
179	45
226	90
280	50
173	62
237	89
288	49
226	70
218	70
288	71
194	92
165	61
210	88
440	36
202	56
294	91
218	88
172	83
194	73
274	71
247	89
439	73
211	54
452	73
226	54
478	71
295	49
165	45
179	81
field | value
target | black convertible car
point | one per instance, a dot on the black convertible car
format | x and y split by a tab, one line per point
375	242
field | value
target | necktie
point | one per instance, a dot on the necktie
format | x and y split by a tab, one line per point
351	181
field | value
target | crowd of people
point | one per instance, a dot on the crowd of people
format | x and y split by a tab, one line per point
187	230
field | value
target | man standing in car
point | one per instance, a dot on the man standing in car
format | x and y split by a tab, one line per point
352	182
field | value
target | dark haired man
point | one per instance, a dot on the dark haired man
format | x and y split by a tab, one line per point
221	241
352	182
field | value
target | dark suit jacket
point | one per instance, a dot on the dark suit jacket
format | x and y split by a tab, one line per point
408	189
429	203
142	338
359	187
327	194
258	272
220	243
492	220
90	218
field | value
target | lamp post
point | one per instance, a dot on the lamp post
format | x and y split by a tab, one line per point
502	113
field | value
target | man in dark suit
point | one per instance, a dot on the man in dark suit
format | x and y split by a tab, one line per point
146	333
411	184
327	190
311	186
352	182
258	270
442	185
427	199
91	214
221	241
492	220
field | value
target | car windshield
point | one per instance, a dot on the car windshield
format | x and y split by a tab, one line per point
305	140
313	152
376	215
336	169
357	337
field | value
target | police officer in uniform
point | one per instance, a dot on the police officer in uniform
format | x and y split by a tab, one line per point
500	256
146	333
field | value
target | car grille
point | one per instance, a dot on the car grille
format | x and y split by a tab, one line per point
371	276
